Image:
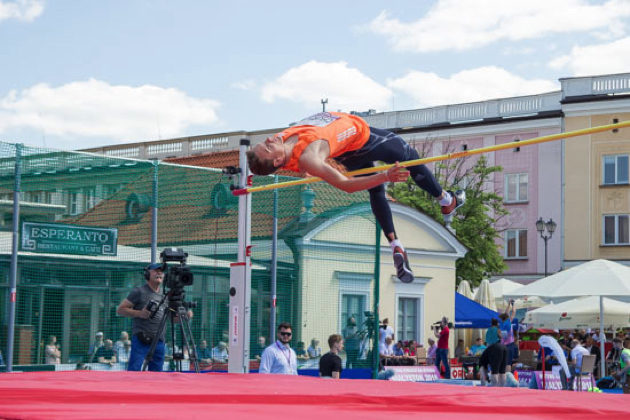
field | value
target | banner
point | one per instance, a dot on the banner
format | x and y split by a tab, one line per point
414	373
57	238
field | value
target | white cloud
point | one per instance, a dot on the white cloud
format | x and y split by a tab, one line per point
465	24
247	84
346	88
94	108
429	89
24	10
596	59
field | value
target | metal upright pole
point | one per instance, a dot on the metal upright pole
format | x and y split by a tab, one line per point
377	297
14	255
240	276
545	238
602	339
154	212
274	265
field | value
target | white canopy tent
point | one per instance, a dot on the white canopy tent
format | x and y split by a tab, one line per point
600	278
580	313
464	333
500	288
485	297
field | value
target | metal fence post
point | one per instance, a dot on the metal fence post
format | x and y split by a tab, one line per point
154	212
14	256
377	297
274	265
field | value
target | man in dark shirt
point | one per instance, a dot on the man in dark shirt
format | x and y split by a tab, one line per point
330	363
105	354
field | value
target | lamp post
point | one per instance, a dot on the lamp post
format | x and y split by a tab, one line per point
541	227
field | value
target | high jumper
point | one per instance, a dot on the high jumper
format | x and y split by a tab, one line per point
308	146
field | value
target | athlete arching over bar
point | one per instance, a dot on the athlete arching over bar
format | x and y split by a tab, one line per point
308	145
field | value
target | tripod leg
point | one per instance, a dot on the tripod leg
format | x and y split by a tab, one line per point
188	338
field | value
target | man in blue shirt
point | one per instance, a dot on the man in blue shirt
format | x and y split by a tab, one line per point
279	357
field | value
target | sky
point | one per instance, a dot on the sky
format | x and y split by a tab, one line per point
85	73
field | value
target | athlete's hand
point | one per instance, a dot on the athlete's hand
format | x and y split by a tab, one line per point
397	173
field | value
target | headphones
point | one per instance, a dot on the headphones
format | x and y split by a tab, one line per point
147	273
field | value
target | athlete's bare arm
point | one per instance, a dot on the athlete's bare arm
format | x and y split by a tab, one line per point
313	161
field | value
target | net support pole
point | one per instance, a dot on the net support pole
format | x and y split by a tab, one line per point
240	276
14	256
274	265
602	339
154	212
377	298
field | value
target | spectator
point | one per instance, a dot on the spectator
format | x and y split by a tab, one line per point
622	375
495	357
460	350
259	347
386	352
589	344
204	354
398	349
300	351
550	358
105	354
352	342
98	343
279	357
120	344
613	356
492	333
330	363
123	354
477	348
431	352
220	353
507	333
410	349
314	351
385	331
575	364
441	356
53	354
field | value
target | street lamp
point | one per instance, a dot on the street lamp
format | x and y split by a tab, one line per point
549	226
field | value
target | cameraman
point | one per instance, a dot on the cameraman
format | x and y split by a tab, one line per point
145	326
441	333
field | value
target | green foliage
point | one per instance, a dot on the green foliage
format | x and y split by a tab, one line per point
474	222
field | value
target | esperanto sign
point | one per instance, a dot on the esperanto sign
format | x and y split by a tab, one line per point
57	238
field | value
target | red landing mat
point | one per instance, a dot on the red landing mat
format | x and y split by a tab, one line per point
147	395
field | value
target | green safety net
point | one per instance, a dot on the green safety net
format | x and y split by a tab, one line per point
68	293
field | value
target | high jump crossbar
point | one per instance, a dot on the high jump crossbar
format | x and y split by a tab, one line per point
448	156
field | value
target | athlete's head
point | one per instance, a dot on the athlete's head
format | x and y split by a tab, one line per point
266	157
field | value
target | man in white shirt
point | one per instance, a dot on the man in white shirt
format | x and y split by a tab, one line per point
385	331
279	357
386	350
575	364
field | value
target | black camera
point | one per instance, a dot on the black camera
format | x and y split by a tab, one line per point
152	307
176	277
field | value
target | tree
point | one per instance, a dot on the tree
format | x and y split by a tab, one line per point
474	222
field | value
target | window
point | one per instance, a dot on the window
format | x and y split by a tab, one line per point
616	231
516	243
353	306
615	169
516	188
73	202
90	198
407	327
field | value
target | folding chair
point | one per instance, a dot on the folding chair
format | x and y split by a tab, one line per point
421	356
588	364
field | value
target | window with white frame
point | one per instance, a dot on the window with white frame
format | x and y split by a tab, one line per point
407	326
615	169
516	243
616	229
90	198
354	297
73	202
516	187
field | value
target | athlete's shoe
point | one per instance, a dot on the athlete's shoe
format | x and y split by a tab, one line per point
459	198
401	262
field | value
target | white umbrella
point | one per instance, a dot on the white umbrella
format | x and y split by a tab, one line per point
464	333
601	278
580	313
501	287
485	297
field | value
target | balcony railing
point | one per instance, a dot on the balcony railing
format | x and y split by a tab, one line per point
610	84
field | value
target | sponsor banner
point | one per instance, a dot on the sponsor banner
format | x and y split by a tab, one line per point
414	373
553	381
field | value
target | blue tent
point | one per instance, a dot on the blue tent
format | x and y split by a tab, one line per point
470	314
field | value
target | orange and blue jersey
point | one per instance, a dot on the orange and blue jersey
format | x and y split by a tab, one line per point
343	132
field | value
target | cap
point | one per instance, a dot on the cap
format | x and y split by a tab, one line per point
99	333
155	266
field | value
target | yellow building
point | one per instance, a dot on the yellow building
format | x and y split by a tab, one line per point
596	175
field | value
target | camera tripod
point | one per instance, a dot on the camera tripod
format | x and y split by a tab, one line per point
175	308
